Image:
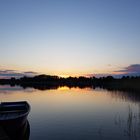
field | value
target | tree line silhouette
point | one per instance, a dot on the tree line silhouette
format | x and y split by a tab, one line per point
126	83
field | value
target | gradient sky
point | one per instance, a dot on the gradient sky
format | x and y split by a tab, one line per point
69	37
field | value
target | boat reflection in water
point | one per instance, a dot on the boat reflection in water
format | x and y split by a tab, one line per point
13	121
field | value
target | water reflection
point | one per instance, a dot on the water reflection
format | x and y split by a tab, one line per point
131	125
131	96
73	113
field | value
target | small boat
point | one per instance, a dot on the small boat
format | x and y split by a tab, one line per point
14	114
13	120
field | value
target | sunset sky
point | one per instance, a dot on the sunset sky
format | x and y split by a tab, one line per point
69	37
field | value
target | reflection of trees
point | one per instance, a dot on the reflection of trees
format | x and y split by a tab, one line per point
132	96
47	82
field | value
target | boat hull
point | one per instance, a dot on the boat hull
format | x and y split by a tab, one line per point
13	120
15	133
14	123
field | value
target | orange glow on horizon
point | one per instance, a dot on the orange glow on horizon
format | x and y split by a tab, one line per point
63	88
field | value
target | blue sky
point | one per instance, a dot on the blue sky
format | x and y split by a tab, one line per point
69	37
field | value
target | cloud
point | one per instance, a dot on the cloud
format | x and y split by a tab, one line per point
30	73
97	75
132	69
12	73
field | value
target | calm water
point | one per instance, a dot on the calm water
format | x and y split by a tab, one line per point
79	114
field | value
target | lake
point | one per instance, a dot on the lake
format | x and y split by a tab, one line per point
79	114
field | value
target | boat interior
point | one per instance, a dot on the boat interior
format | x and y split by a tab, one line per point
12	109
